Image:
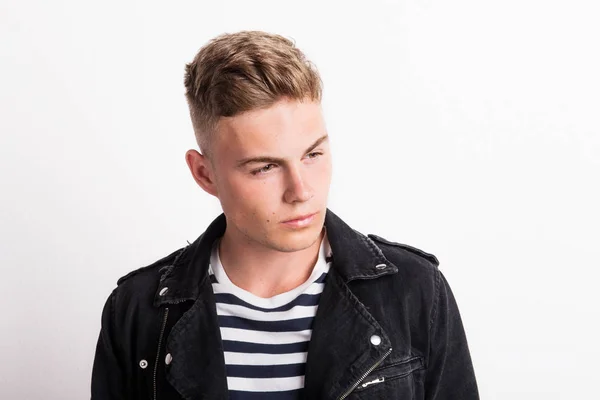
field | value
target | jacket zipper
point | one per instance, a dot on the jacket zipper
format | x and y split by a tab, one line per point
342	397
162	331
373	382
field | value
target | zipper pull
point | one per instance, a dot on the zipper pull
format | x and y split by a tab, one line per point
374	381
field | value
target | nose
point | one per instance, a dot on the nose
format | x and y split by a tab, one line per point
297	188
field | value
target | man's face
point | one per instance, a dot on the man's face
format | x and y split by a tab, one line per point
270	166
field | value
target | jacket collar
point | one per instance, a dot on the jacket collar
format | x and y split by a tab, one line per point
355	256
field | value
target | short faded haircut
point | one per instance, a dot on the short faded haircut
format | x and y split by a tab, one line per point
244	71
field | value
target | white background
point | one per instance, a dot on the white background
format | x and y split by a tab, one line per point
466	128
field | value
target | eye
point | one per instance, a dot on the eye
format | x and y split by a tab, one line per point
262	170
315	154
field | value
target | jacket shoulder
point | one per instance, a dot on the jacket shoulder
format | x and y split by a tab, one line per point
163	262
413	250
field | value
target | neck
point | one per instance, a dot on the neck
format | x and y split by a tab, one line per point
263	271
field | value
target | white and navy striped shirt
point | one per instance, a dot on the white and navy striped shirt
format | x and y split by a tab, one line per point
265	340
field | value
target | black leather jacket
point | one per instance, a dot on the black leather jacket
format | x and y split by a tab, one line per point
387	327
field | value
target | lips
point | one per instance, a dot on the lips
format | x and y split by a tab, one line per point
299	218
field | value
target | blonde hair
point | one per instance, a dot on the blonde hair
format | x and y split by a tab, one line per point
243	71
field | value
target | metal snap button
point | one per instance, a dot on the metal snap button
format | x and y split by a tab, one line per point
380	266
143	364
163	291
168	359
375	340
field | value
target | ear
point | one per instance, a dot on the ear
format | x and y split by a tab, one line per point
201	169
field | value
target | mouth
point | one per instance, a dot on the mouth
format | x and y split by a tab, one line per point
301	220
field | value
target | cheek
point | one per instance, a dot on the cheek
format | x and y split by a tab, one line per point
322	174
252	190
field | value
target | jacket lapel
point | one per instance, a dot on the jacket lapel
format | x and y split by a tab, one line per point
340	350
197	369
346	342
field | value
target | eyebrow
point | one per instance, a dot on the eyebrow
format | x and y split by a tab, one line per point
266	159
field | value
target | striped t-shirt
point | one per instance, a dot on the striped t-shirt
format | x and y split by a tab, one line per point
265	340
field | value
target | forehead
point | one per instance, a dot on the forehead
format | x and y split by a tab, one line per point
284	126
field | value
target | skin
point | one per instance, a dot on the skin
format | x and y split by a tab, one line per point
260	253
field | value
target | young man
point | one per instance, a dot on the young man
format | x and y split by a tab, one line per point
279	298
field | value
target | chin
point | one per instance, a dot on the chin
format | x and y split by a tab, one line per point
297	240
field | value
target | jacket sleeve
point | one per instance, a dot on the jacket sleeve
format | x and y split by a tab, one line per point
107	371
450	373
